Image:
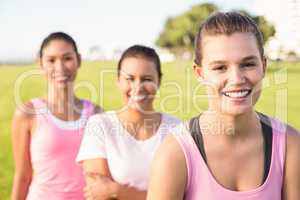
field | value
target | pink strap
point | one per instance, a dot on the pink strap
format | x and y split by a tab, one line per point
39	106
279	131
88	108
38	103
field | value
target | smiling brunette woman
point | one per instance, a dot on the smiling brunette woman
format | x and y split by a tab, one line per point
46	132
118	146
250	156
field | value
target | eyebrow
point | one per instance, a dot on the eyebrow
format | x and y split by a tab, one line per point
250	58
147	76
217	62
65	54
130	75
224	62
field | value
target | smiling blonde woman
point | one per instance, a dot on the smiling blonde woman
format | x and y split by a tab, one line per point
230	151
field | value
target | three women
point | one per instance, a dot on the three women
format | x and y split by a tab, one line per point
250	156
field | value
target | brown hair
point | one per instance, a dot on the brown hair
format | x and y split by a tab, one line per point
227	23
58	36
142	52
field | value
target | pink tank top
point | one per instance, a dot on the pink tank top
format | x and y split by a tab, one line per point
201	185
53	149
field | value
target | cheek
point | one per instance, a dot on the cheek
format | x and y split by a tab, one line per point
48	72
124	86
257	87
213	79
256	79
213	94
72	66
151	87
213	84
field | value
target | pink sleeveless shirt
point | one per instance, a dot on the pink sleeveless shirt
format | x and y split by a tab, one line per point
201	185
53	149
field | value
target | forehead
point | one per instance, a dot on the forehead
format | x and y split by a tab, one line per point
138	66
232	47
58	46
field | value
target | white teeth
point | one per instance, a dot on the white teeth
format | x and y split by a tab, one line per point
238	94
61	78
138	98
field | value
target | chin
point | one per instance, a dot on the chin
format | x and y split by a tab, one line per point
237	106
236	110
62	86
140	106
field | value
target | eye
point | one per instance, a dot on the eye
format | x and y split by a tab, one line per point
51	60
147	79
219	68
68	58
248	64
129	78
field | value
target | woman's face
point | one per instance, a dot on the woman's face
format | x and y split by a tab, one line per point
138	83
232	69
60	62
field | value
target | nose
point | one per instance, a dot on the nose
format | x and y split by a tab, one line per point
137	86
236	76
59	65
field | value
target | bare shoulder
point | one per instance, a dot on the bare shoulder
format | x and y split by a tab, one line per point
170	149
292	152
292	165
23	119
24	112
169	154
293	139
168	165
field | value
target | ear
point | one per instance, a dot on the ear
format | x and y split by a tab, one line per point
264	62
79	59
198	70
118	81
159	82
39	62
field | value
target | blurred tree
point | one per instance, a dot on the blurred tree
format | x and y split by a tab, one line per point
291	54
179	32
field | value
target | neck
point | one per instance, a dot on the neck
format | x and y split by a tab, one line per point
62	99
140	124
135	116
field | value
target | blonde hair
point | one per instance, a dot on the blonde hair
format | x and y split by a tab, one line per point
227	23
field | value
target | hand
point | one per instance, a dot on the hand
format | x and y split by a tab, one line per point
99	188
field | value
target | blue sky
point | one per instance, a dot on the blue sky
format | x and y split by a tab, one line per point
108	24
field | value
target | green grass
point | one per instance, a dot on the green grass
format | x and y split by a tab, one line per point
175	97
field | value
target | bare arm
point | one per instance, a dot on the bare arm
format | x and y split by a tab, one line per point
21	128
168	174
101	186
291	188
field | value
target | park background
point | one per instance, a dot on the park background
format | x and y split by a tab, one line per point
104	29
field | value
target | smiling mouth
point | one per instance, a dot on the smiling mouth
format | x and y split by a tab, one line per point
237	94
138	97
61	77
